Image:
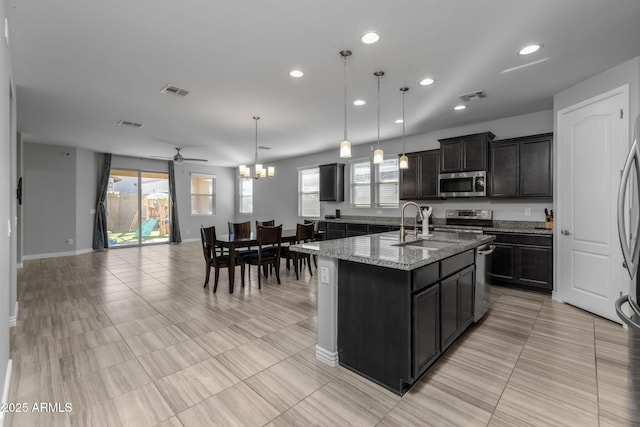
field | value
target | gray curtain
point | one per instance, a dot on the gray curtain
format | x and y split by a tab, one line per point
100	238
174	229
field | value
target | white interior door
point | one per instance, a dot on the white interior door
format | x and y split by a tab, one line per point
592	146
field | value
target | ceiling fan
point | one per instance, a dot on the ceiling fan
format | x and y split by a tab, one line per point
179	158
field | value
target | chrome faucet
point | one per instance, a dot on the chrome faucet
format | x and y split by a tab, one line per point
403	233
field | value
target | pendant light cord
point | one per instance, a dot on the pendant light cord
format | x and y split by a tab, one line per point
256	118
345	98
378	74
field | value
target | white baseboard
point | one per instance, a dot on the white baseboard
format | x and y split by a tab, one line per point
19	265
14	318
328	357
195	239
57	254
5	392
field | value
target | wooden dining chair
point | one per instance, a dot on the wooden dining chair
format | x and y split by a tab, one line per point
240	229
304	233
315	229
214	258
267	236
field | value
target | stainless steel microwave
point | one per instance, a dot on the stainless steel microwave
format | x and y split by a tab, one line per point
463	184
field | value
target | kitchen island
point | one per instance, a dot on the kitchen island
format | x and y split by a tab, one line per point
388	310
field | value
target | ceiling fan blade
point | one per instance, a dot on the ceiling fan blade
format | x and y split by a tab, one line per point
162	157
195	160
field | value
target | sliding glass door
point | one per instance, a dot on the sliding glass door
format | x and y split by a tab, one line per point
137	207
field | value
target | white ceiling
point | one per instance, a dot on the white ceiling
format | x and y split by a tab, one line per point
81	66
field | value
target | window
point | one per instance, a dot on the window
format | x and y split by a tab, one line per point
246	195
385	189
361	183
203	194
309	192
387	182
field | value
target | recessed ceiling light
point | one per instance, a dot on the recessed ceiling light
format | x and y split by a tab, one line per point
399	121
528	50
296	73
426	82
370	37
359	102
459	107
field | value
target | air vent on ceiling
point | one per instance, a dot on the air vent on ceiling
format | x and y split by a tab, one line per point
175	90
262	147
472	95
127	123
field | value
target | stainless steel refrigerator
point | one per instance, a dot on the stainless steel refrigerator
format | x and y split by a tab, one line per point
629	191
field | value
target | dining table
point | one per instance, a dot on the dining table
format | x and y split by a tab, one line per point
233	242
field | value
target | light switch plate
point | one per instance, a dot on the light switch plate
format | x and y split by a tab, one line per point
324	275
527	211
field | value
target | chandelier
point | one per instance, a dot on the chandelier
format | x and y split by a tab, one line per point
259	171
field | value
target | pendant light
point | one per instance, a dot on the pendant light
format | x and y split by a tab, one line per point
404	160
345	145
378	155
259	170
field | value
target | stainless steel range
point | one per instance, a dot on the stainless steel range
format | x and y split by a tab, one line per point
466	220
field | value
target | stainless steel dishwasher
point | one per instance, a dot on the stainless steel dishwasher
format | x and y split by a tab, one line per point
482	291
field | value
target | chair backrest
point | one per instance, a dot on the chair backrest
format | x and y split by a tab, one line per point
315	224
208	237
270	236
240	229
304	232
269	223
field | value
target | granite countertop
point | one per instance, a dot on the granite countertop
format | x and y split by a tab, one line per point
378	249
502	226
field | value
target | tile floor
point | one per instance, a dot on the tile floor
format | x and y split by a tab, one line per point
130	338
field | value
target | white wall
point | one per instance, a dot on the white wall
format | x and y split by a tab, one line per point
6	194
277	197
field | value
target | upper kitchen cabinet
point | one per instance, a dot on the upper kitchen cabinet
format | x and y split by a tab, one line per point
465	153
332	182
420	181
522	167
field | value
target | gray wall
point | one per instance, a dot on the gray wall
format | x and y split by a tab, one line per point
225	199
49	200
6	194
86	185
277	197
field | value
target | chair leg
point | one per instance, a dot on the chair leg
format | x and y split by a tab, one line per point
295	265
215	280
277	268
206	280
259	281
315	261
309	264
242	273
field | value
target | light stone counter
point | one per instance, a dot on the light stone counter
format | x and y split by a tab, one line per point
380	249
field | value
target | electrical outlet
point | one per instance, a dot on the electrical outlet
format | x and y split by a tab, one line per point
527	211
69	241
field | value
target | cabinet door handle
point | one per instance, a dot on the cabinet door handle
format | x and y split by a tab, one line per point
565	232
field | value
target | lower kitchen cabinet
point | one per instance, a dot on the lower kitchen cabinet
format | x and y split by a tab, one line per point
523	261
426	331
456	305
391	322
340	230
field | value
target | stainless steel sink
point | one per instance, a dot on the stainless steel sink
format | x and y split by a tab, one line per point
427	244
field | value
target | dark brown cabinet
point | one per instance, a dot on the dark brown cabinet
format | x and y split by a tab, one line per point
465	153
456	304
332	182
391	322
522	261
420	181
521	167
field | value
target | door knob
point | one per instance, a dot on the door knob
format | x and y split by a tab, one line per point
565	232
